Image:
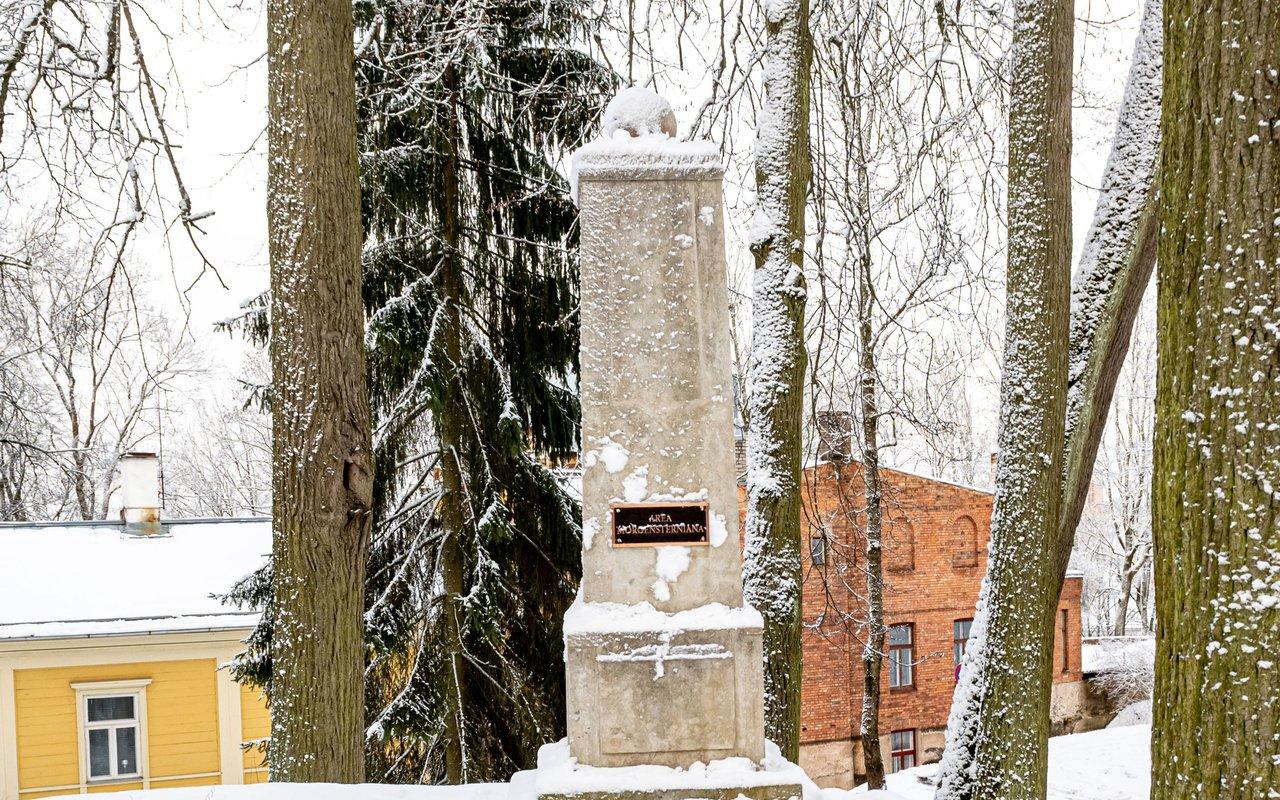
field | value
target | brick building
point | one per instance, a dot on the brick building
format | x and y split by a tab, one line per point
935	555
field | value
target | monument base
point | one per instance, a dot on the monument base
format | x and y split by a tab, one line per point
560	777
647	687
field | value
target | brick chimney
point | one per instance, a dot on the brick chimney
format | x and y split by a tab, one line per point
835	435
140	493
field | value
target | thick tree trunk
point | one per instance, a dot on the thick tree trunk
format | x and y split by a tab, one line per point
778	357
452	502
998	746
1216	510
322	473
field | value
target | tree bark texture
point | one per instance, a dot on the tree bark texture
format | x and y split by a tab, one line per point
1115	267
322	473
998	745
778	358
1216	485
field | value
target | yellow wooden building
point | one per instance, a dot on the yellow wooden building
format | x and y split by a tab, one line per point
111	650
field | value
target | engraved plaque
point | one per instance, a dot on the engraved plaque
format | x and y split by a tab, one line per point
657	524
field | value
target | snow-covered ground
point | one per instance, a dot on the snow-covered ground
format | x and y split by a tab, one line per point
1110	764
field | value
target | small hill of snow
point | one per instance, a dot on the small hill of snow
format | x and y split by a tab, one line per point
1138	713
1110	764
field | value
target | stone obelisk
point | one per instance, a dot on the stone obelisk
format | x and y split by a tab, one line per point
664	656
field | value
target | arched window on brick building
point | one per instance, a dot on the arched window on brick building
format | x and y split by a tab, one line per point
964	543
900	546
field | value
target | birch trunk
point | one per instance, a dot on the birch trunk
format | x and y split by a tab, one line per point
322	473
771	569
1216	506
999	747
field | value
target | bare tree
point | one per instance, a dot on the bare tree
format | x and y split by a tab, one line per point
83	108
88	363
901	127
995	748
217	462
1117	539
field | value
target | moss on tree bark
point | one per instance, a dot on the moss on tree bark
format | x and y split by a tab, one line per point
1216	489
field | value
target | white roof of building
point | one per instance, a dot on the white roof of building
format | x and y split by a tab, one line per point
93	579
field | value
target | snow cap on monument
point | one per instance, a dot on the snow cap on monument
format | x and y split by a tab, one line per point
639	112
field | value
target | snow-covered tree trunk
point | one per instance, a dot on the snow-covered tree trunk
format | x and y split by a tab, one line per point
997	738
1216	486
1115	266
771	569
322	474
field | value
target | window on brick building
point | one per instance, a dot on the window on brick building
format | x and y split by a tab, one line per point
900	546
818	551
902	750
964	543
1066	650
959	642
901	656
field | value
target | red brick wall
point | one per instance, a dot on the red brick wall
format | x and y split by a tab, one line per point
935	557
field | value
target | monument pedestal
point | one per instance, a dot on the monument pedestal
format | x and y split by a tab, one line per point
672	689
560	777
664	669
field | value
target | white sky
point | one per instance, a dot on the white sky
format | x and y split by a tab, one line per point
216	48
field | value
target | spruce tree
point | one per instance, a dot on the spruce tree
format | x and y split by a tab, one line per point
470	292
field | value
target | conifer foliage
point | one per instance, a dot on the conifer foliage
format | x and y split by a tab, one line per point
470	291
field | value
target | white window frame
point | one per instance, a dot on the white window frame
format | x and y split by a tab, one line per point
137	689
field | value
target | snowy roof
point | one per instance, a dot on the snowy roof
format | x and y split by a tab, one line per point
93	579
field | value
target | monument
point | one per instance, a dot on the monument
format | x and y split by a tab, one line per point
663	656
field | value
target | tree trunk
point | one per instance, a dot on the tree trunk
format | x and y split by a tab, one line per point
322	473
1122	606
452	502
998	746
873	648
1115	267
1215	510
771	567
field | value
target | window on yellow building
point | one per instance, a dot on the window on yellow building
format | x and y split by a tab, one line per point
112	726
